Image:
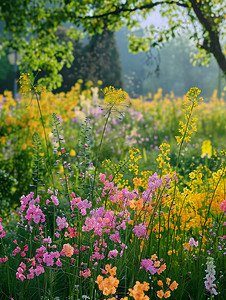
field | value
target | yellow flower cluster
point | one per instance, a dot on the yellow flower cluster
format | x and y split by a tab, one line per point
113	96
25	84
133	158
163	158
25	114
189	126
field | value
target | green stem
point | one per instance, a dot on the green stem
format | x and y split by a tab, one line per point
98	151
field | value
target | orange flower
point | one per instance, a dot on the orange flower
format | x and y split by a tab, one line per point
156	264
160	283
99	279
137	181
67	250
162	268
154	257
137	291
160	294
167	294
107	268
173	285
113	271
168	281
108	285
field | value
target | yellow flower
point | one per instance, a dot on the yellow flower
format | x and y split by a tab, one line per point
72	152
25	83
207	149
113	96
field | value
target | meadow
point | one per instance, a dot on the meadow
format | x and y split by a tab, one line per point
110	197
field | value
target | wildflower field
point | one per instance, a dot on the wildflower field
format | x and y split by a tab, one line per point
112	198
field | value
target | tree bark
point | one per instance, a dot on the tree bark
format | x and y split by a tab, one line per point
214	41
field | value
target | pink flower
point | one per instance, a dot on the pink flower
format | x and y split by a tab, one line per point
140	230
3	259
59	263
83	205
72	232
55	200
223	206
31	275
86	273
39	270
20	270
149	266
48	259
74	202
62	223
2	232
15	251
115	237
47	240
102	177
112	253
193	243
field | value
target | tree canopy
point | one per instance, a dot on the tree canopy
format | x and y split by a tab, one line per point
30	26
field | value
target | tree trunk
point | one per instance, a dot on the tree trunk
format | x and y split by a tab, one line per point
214	45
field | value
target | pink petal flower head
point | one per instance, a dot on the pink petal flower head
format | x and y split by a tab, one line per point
62	223
140	230
3	259
2	232
55	200
192	242
223	206
86	273
102	177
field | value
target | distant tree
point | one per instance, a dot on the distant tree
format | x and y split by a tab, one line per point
6	75
97	60
79	66
103	62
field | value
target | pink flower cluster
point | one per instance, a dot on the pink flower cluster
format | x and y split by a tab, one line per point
223	206
53	197
82	205
192	242
62	223
2	232
33	211
86	273
3	259
140	230
29	273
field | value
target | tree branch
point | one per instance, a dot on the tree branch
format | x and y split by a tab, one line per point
123	9
214	41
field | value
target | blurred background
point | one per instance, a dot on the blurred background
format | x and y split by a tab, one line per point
106	57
